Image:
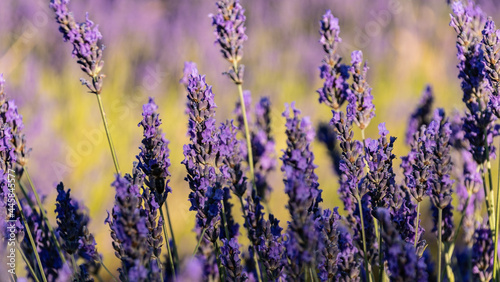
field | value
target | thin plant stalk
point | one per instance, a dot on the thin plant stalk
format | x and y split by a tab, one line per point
73	263
380	257
247	131
368	274
455	237
219	265
106	128
33	245
28	264
440	219
497	226
167	242
489	207
176	254
417	222
199	241
44	215
107	270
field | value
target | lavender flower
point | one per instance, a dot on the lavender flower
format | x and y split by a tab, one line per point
154	156
232	226
422	114
402	260
335	75
328	225
263	148
360	108
326	135
380	180
302	188
348	263
128	229
154	223
193	271
404	218
72	226
229	23
491	46
230	259
482	257
232	158
84	38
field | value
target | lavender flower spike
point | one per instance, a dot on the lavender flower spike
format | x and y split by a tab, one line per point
482	257
229	23
360	109
422	114
230	259
301	185
335	75
128	229
491	59
154	156
84	38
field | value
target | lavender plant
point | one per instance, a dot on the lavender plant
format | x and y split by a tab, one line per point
379	236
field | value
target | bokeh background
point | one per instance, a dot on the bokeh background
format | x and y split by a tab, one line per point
407	44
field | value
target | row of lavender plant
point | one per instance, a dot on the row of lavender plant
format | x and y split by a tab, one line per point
379	238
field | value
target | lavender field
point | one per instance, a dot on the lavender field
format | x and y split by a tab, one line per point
249	140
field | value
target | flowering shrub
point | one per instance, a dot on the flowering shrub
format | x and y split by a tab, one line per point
379	236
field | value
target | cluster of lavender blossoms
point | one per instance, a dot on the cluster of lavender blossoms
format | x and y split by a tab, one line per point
377	236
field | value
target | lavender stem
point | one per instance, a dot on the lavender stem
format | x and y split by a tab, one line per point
44	214
26	225
110	142
176	254
32	271
167	242
199	240
107	270
440	219
368	273
73	263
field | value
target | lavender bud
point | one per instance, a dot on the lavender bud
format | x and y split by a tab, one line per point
482	257
84	38
335	87
360	108
230	259
422	114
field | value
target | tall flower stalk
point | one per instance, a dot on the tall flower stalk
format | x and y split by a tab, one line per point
84	37
229	23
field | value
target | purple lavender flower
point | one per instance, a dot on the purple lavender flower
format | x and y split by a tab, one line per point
84	38
193	271
491	46
380	180
232	158
348	262
328	225
402	260
230	223
302	188
129	230
230	259
326	135
360	108
72	226
263	148
422	114
13	138
404	218
229	23
154	156
482	257
335	74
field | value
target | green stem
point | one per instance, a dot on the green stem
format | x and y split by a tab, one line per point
380	256
107	270
497	226
73	263
176	254
417	222
167	242
199	241
489	208
110	141
28	264
455	237
367	266
440	219
33	245
44	215
247	131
